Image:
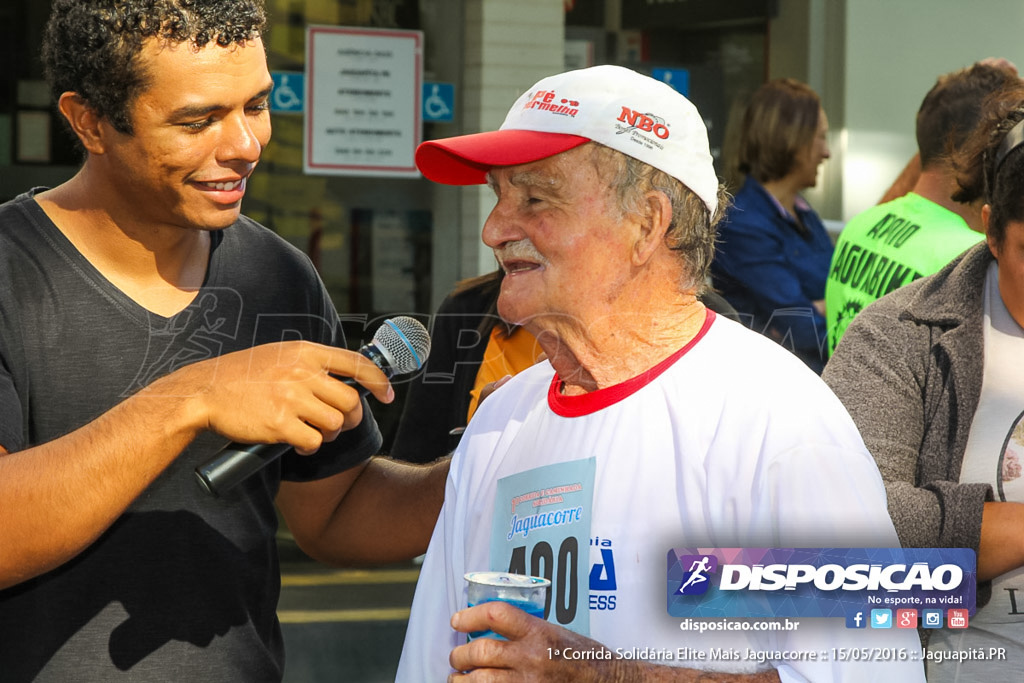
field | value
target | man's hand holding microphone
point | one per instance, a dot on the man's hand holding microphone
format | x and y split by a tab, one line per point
277	396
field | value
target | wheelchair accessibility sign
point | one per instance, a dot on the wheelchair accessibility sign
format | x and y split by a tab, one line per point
677	79
438	102
289	92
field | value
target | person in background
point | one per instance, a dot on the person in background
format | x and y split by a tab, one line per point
773	252
932	375
907	178
653	421
141	319
914	235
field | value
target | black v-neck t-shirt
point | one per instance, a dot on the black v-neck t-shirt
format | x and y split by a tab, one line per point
183	586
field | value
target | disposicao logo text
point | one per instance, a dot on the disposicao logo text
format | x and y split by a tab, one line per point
817	582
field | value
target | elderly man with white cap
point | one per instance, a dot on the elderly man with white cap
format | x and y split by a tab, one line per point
653	424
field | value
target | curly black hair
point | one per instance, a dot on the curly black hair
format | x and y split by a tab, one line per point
92	47
982	172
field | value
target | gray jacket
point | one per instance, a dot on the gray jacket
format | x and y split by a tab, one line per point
909	371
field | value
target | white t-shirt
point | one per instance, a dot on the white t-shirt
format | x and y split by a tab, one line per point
731	442
994	455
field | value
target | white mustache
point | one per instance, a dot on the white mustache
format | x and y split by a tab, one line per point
521	250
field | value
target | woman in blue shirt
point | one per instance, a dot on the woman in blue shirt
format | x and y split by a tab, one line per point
773	255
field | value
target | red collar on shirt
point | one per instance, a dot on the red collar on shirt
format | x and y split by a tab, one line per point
585	404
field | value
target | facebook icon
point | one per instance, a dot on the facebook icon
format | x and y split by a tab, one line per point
856	620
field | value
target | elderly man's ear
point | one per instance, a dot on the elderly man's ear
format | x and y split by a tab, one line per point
652	226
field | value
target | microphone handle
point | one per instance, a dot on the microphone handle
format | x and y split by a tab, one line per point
238	461
235	463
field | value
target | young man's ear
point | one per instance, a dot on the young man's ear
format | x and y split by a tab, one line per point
84	121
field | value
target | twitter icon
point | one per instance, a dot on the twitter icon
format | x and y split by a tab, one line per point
881	618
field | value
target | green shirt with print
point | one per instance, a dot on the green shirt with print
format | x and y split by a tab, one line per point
886	247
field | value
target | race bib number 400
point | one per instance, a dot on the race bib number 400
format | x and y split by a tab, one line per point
542	528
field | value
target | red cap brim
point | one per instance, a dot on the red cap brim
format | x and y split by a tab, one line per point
465	160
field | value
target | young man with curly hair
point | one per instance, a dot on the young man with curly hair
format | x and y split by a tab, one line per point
141	319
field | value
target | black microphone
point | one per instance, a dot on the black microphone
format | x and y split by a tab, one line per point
399	346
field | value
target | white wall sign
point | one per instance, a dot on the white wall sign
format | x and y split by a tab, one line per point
363	110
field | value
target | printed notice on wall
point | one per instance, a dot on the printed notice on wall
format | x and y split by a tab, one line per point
363	101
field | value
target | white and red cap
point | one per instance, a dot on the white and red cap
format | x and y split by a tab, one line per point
619	108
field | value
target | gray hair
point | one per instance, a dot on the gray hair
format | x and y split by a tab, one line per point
692	232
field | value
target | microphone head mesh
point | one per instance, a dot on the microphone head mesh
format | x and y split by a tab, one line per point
404	342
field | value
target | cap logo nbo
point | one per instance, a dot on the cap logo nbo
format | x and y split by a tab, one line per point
649	123
545	101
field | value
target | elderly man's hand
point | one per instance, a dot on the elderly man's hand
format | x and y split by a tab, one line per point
535	649
540	652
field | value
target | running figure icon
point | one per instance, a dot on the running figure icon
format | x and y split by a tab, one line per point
697	575
697	571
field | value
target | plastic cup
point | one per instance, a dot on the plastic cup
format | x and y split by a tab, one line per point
528	593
